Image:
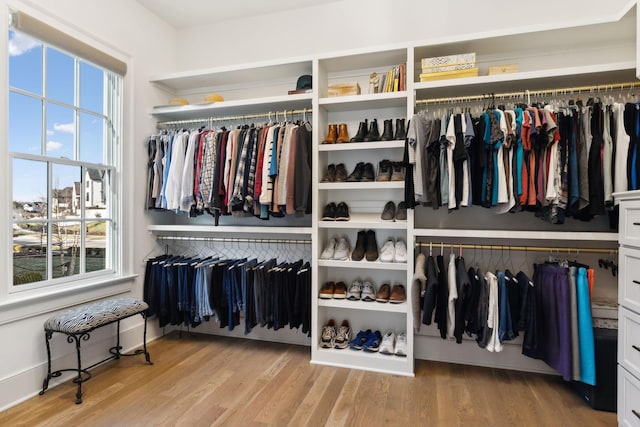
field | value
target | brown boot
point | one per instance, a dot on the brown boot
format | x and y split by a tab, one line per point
343	135
332	135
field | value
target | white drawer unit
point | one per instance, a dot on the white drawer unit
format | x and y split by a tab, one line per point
629	280
630	222
628	399
629	341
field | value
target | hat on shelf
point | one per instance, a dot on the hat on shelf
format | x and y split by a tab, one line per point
304	82
178	101
211	98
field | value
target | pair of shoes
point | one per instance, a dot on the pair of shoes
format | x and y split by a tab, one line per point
366	245
337	249
364	291
390	213
335	173
387	133
367	133
366	340
333	212
396	295
335	337
393	251
337	134
363	172
385	170
394	344
333	290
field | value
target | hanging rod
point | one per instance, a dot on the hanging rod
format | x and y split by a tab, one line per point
518	248
234	240
232	118
527	93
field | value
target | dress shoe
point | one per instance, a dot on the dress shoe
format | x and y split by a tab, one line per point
389	211
332	135
398	294
356	175
326	291
374	133
342	212
387	132
401	213
401	130
358	251
343	135
340	291
384	293
384	171
329	212
368	174
371	246
340	173
330	174
362	132
398	172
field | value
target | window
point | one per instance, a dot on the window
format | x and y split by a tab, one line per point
64	120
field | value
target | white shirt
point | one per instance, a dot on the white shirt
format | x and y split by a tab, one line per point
453	296
622	146
493	319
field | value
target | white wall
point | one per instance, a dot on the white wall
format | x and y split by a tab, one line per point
130	32
350	24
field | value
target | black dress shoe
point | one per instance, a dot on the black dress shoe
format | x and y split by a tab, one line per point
371	246
330	174
358	251
387	133
356	175
342	212
374	133
329	212
362	132
401	129
368	173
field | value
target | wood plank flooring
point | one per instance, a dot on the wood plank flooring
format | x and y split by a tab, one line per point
202	380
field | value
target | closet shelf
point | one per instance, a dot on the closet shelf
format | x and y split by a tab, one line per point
375	145
347	358
361	305
364	220
226	230
516	234
375	185
551	78
372	265
366	101
233	108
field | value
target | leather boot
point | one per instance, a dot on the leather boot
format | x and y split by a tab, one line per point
343	135
362	132
332	135
401	130
387	133
374	133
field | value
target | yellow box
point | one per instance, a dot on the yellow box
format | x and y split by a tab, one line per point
503	69
343	89
444	75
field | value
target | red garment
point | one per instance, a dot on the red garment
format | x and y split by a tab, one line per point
591	277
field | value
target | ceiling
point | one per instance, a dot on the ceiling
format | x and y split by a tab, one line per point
184	13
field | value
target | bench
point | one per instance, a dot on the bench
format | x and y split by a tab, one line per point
78	323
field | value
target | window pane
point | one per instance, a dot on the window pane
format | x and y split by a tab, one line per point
91	88
29	190
60	76
61	129
25	124
65	191
65	248
96	191
92	138
96	245
29	254
25	63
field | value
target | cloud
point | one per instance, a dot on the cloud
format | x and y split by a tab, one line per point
21	43
65	127
50	132
53	145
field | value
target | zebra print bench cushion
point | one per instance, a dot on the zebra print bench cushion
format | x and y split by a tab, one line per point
89	317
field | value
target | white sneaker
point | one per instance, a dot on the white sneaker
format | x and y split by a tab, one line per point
343	336
368	291
388	343
329	250
355	291
343	249
328	334
401	252
388	251
401	345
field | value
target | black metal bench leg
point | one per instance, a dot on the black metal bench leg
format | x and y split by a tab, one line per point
45	383
147	356
79	379
118	348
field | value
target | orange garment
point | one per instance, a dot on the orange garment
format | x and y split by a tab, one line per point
591	273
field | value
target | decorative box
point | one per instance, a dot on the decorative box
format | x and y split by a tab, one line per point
444	75
503	69
439	61
343	89
448	68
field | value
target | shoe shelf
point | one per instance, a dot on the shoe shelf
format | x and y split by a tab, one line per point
515	234
373	185
369	265
363	305
364	220
225	230
364	102
376	362
373	145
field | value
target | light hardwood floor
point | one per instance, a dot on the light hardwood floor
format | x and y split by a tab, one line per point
202	380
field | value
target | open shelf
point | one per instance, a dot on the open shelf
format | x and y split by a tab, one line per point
223	229
347	358
370	265
514	234
373	145
363	305
364	220
374	185
364	101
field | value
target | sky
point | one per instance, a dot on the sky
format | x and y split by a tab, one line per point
25	134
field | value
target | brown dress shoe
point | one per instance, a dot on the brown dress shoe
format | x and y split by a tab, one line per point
332	135
341	173
343	135
383	293
326	292
340	291
371	246
398	294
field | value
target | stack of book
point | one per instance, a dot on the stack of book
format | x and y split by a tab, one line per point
449	67
391	81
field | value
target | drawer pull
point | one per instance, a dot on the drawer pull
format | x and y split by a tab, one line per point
636	413
636	348
636	223
637	282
